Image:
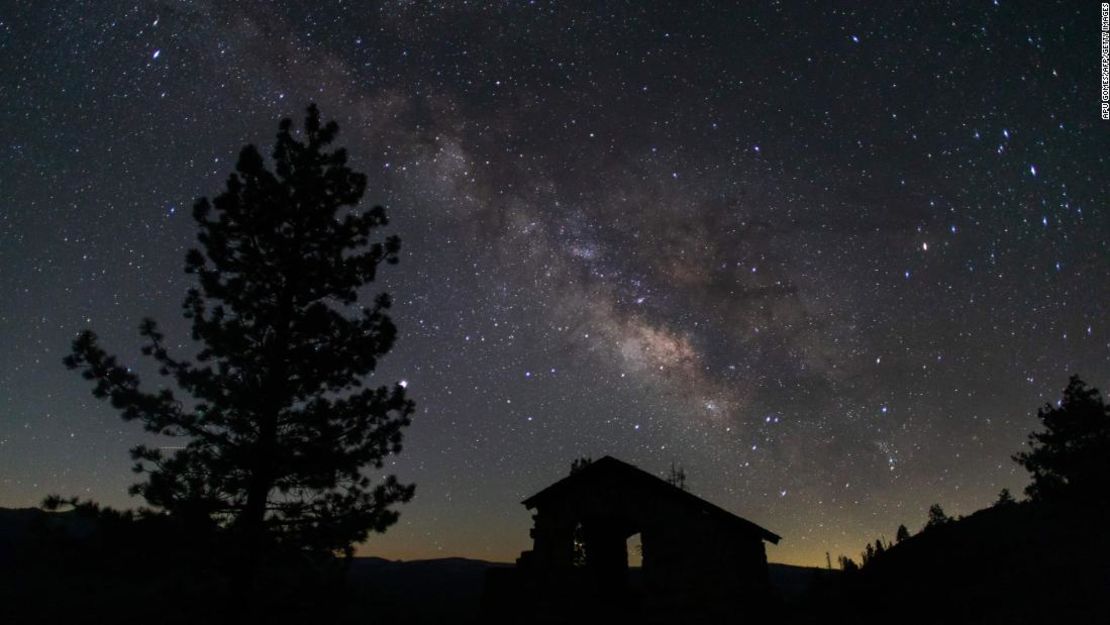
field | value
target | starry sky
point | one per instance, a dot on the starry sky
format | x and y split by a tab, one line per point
829	257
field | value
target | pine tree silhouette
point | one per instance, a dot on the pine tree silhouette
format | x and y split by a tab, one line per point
847	564
1071	457
868	554
937	516
880	548
279	427
901	534
1004	498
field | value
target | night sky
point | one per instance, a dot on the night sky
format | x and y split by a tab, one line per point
828	257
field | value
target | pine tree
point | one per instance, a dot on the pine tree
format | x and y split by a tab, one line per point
936	516
1071	457
278	429
901	534
1004	498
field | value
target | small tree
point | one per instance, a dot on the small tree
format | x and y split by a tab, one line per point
937	516
1004	498
677	477
279	427
868	554
847	564
901	534
1071	457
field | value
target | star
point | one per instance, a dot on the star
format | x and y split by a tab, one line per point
593	241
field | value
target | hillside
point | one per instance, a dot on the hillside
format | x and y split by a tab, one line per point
419	591
14	524
1017	563
430	591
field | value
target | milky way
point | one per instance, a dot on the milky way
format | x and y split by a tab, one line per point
827	257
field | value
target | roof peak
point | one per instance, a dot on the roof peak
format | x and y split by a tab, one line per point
633	472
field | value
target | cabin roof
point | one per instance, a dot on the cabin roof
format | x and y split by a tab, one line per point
624	471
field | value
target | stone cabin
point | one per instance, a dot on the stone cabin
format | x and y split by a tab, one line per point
694	554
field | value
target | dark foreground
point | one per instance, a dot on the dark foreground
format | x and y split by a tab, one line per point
1017	563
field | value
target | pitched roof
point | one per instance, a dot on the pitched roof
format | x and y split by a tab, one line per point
626	471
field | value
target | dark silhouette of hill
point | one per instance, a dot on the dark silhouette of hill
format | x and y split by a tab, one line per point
14	524
1011	563
94	565
419	591
450	589
794	582
18	526
47	555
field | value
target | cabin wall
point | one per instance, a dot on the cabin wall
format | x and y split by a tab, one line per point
684	550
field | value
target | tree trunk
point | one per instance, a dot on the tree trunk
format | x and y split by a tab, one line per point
253	519
252	524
